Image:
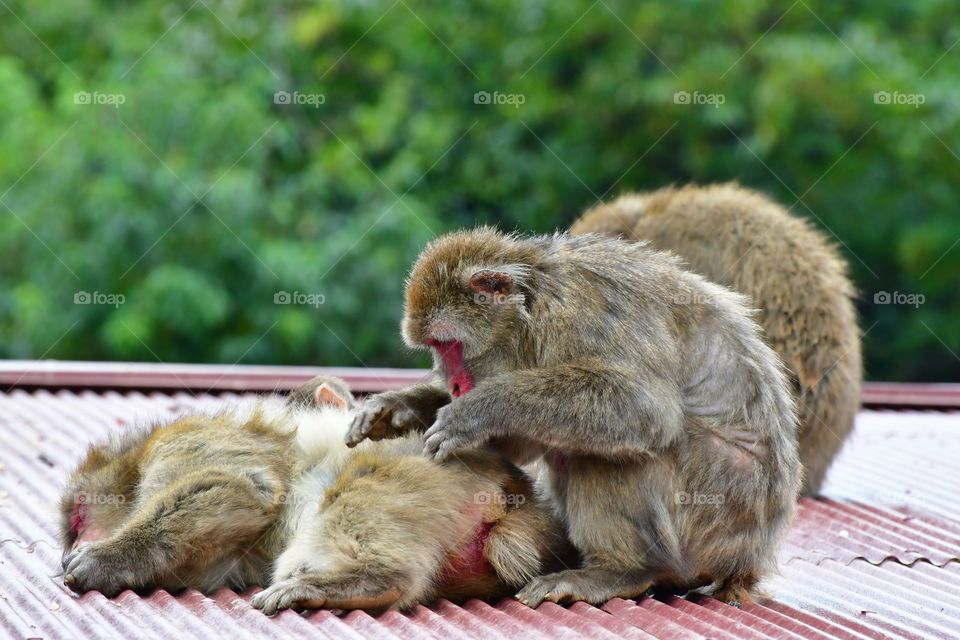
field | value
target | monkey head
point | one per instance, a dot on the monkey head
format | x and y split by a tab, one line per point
98	497
466	297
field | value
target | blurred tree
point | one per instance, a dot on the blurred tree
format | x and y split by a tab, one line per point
248	182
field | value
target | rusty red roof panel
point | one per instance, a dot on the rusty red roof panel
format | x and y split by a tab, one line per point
877	557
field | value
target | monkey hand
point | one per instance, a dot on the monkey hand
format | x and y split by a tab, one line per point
459	425
98	567
383	416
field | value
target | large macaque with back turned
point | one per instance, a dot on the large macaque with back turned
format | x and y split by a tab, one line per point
794	277
665	422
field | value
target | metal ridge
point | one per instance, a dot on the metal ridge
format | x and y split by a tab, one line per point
205	378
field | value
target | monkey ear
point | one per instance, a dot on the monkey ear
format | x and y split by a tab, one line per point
325	396
488	281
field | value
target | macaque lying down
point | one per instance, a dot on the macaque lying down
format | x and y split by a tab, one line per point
265	492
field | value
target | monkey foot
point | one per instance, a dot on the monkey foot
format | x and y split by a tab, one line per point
297	594
591	585
288	594
736	591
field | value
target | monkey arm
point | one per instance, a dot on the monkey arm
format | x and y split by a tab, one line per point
203	517
395	413
590	408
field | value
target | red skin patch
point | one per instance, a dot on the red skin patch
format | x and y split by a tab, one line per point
81	528
78	518
469	563
459	380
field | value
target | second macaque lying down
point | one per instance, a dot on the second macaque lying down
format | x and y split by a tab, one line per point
265	492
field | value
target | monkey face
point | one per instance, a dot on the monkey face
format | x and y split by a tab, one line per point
97	500
465	298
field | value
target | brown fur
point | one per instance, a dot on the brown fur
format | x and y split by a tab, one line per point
392	521
588	350
189	503
792	274
237	497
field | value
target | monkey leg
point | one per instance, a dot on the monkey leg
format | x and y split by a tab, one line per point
595	585
619	519
174	535
525	541
312	590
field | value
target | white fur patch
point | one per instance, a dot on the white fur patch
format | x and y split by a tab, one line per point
321	432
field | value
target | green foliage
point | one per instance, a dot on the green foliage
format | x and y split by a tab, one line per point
199	198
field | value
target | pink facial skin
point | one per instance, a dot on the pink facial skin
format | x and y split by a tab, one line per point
80	526
459	379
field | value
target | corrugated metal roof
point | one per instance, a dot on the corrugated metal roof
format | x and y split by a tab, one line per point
878	557
204	378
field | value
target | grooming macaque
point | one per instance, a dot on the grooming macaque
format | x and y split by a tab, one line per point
665	422
266	492
797	280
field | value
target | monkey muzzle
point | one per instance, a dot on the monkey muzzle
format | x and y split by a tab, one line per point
459	380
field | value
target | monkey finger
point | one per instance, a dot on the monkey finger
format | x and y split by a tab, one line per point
404	420
431	445
74	566
268	601
358	429
363	424
445	451
68	559
289	594
446	444
530	599
538	590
